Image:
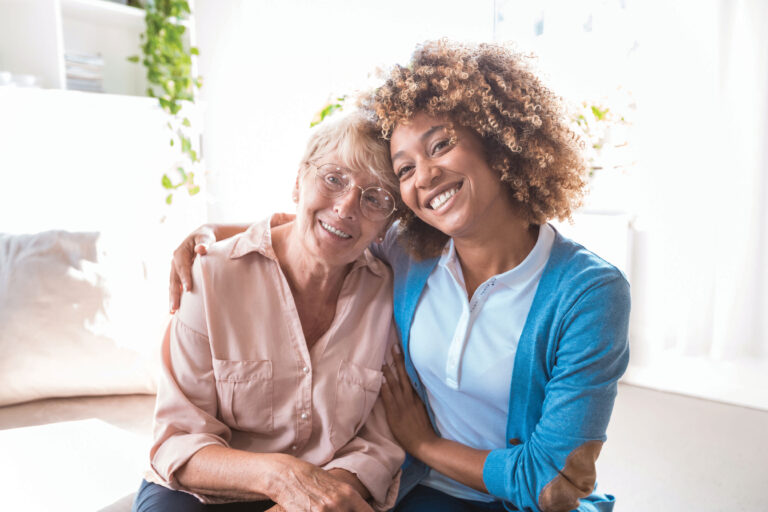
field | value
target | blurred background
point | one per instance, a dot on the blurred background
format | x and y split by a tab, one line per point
670	96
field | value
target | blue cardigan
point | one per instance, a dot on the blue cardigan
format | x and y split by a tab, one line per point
571	353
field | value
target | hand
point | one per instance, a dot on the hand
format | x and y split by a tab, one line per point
302	486
406	415
183	257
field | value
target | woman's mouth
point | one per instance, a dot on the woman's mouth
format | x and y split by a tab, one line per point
438	201
334	231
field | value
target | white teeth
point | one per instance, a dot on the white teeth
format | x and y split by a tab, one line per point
335	231
440	200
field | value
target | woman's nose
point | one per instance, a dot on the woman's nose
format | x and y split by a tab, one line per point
347	204
426	174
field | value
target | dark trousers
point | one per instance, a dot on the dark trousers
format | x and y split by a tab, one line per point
426	499
156	498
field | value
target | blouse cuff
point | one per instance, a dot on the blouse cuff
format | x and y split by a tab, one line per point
176	451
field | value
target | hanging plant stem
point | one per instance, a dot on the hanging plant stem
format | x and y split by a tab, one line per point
169	75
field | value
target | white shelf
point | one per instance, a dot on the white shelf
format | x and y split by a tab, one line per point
35	35
103	12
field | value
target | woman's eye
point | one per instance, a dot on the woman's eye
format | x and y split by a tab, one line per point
441	145
334	180
403	171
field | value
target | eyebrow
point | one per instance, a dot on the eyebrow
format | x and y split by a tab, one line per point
424	136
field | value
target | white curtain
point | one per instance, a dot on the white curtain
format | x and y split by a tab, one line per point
700	283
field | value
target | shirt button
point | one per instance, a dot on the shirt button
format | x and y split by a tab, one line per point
305	369
304	416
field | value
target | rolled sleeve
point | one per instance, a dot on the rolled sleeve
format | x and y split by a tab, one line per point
185	411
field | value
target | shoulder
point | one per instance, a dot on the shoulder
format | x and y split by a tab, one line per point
573	270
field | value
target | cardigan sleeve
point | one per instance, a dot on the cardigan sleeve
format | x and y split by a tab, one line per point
555	465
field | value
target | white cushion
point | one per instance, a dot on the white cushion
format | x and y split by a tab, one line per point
78	316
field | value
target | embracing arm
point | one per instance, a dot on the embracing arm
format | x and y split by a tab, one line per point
554	466
410	424
196	243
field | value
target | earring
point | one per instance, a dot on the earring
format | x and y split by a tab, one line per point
379	239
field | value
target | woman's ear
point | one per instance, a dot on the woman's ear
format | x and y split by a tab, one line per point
295	193
383	232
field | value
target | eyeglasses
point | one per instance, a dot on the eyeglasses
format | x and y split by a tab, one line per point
333	180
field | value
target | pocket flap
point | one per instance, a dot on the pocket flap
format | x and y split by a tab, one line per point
242	371
366	378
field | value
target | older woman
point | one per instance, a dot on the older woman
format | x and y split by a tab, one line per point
513	337
273	364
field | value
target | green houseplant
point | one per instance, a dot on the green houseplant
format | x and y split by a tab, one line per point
168	61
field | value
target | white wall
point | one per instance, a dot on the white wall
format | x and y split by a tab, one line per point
269	66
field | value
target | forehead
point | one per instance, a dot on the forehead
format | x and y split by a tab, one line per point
359	176
416	130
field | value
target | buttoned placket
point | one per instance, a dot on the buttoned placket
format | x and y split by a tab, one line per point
303	367
303	357
470	309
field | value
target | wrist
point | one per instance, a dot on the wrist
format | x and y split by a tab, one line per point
269	474
424	446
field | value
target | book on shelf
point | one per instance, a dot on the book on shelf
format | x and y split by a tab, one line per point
88	59
84	71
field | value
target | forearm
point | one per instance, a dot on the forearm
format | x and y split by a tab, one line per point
454	460
226	472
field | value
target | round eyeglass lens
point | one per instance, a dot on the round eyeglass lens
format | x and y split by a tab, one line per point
377	203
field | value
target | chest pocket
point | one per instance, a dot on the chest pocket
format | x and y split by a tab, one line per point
357	388
244	390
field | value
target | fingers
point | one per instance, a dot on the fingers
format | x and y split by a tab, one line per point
402	375
387	397
203	240
174	291
183	257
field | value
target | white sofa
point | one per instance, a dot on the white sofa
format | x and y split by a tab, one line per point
81	321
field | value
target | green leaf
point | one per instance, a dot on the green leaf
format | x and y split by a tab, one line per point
133	58
186	122
168	198
598	112
194	51
167	182
194	190
183	173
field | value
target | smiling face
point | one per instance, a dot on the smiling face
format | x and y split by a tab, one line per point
333	229
448	183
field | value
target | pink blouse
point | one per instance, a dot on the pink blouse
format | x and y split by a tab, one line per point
237	371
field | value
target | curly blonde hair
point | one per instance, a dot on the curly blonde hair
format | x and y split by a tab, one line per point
492	91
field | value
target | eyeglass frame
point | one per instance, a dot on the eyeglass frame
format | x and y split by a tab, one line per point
321	187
